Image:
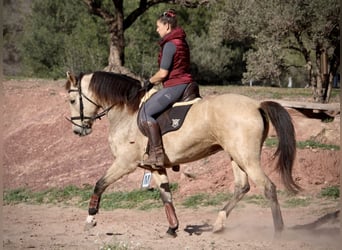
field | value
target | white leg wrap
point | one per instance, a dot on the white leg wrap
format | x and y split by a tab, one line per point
90	219
90	223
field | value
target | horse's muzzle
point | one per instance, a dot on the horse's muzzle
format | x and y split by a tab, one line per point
82	131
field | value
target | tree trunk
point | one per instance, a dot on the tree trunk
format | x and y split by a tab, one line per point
334	64
116	57
329	88
115	23
321	91
116	45
318	88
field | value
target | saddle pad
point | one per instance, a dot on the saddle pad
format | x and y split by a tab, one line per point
172	119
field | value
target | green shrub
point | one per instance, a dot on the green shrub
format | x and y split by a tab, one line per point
330	192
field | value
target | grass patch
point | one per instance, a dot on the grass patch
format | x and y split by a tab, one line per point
262	93
195	200
273	142
75	196
141	199
256	199
206	200
15	196
314	144
70	195
330	192
297	202
260	200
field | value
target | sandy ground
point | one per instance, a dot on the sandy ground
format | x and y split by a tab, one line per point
249	227
41	152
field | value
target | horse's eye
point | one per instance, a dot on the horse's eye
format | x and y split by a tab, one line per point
72	101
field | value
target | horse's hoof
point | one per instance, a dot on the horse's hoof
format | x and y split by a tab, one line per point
89	226
277	235
217	229
171	232
219	223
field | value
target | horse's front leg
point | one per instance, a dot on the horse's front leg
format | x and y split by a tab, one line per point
114	173
94	203
162	181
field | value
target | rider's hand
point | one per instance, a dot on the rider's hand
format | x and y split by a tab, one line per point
147	85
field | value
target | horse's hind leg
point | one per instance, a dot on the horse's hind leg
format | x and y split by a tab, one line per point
241	187
270	192
162	181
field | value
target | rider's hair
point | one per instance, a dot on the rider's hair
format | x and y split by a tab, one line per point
169	17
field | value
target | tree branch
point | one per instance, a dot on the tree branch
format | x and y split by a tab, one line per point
193	4
144	5
94	7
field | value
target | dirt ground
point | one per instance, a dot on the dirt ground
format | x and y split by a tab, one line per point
40	151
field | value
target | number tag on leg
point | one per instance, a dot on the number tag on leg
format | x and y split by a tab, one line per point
146	181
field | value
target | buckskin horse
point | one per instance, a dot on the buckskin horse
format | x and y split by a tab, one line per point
234	123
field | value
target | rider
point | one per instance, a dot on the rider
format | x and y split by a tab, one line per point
174	74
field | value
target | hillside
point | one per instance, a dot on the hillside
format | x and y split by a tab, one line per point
42	152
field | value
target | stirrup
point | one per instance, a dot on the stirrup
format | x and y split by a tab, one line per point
156	167
152	165
143	164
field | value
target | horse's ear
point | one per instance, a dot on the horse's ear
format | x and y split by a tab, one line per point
71	78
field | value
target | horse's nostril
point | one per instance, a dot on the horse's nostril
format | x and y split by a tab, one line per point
76	132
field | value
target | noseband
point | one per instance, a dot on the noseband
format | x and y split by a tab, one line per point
82	117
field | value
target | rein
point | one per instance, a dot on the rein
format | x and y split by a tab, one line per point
82	117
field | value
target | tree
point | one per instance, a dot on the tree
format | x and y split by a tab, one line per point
282	31
14	12
61	36
112	12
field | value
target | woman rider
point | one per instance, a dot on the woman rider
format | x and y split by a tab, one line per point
174	74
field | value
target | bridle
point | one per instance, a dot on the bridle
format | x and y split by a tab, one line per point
82	117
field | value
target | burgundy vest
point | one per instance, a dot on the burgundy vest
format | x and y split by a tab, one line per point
180	70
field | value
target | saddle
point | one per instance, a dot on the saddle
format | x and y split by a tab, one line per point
172	118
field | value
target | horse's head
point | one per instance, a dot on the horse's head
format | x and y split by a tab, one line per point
90	92
83	108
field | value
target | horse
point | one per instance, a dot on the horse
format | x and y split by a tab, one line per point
234	123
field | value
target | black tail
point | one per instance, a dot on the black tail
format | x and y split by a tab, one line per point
286	150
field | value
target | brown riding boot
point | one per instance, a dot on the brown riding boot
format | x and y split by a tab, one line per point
156	150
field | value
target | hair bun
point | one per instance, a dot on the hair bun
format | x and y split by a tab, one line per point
171	13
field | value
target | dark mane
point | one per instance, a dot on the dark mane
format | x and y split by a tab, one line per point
116	89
